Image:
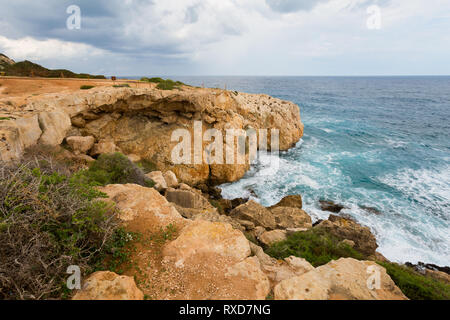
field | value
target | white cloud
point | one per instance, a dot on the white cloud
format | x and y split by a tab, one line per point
32	49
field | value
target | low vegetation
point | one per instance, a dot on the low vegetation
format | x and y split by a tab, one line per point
146	166
314	245
86	87
415	285
30	69
114	168
49	220
163	84
318	248
123	85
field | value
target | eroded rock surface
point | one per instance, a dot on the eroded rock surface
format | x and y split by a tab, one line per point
344	279
141	121
105	285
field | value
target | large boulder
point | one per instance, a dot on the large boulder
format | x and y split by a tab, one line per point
142	208
344	228
104	146
80	145
171	179
291	201
105	285
270	237
279	270
213	238
250	270
344	279
11	146
54	125
291	217
29	129
158	179
256	213
189	198
210	260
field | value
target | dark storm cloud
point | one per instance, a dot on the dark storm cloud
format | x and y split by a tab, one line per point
113	25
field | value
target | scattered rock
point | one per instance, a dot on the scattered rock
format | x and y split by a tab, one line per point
248	225
104	147
344	279
201	237
29	130
330	206
54	126
343	228
171	179
158	179
105	285
258	231
80	145
188	198
292	201
371	210
142	208
213	216
250	269
270	237
347	242
255	213
287	217
279	270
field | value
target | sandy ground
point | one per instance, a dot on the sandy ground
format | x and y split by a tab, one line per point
17	91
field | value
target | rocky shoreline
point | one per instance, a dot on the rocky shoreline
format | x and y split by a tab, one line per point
206	247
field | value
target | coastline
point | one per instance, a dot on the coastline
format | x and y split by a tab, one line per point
84	125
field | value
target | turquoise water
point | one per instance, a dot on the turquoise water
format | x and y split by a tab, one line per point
381	142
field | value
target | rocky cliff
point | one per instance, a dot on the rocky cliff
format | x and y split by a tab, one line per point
139	122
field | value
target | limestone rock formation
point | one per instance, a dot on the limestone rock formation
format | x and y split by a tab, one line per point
55	125
80	145
344	279
158	179
140	121
143	207
213	238
256	213
105	285
286	217
270	237
171	179
104	146
291	201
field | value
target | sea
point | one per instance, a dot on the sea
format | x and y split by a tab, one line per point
379	146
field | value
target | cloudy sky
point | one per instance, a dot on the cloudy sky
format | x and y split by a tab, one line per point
232	37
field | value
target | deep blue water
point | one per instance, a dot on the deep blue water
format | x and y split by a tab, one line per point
381	142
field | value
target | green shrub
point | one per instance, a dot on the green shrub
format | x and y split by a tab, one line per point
123	85
114	168
86	87
314	245
416	286
146	165
48	221
164	84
